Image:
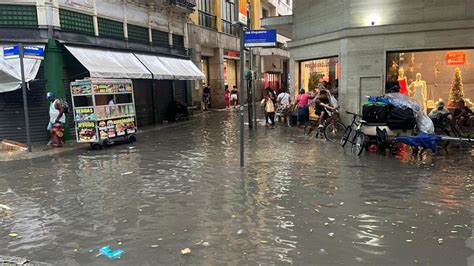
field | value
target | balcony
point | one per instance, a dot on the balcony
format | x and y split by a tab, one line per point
229	28
207	20
184	5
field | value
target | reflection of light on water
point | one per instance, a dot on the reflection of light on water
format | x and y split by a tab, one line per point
366	236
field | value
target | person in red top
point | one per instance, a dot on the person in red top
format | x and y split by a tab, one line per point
302	102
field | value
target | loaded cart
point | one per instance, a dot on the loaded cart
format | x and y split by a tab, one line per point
104	111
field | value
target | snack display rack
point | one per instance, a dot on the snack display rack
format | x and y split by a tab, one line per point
104	111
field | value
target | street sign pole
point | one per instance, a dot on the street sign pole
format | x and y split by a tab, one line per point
249	82
242	92
25	99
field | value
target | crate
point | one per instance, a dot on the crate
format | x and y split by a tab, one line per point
9	145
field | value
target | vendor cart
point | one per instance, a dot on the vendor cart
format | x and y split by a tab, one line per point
104	111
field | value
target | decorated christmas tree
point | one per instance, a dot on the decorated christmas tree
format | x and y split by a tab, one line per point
457	89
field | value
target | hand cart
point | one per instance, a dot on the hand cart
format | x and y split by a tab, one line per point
104	111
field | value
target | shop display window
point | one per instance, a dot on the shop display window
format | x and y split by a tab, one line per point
319	73
431	76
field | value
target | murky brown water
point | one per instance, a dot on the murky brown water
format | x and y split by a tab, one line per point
298	201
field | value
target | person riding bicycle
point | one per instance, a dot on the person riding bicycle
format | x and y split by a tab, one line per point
323	107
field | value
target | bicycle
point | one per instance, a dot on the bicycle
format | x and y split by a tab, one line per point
358	138
332	129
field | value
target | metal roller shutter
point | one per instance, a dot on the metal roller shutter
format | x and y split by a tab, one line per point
143	102
163	96
180	91
12	119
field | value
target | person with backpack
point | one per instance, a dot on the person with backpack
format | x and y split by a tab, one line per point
57	115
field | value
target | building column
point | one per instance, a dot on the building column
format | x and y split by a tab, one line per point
217	11
216	78
53	66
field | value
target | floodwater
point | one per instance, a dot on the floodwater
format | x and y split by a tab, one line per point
298	201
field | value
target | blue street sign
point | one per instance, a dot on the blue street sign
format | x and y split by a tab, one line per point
31	52
260	38
11	52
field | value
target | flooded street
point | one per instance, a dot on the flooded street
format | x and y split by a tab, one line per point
298	201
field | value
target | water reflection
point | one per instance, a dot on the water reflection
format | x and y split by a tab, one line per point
299	201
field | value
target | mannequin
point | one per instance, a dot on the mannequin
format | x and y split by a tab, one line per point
402	81
418	91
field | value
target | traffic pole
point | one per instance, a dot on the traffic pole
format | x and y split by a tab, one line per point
242	92
25	98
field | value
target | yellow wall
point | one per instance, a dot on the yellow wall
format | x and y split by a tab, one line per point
255	16
217	11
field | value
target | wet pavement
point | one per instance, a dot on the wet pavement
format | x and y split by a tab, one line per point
298	201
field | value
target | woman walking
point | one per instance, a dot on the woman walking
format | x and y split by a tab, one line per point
227	98
269	106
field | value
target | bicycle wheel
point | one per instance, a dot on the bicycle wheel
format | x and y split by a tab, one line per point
359	143
345	136
334	132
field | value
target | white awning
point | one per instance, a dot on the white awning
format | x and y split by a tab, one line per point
171	68
110	64
157	68
10	74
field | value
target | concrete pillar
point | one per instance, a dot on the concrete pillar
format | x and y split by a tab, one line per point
217	11
41	11
216	78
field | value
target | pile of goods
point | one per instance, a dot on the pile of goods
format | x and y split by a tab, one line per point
397	111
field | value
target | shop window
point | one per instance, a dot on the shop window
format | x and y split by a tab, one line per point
178	41
160	38
18	16
446	75
137	33
74	21
319	73
110	28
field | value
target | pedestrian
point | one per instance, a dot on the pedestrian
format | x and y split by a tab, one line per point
206	97
284	102
57	117
234	96
227	97
269	106
302	103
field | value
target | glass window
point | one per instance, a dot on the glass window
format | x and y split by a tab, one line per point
319	73
444	74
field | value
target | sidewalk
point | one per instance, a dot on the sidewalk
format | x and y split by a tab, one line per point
41	149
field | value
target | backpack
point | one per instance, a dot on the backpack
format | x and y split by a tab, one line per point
64	105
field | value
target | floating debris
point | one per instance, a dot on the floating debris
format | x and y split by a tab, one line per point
109	253
331	234
154	246
126	173
322	251
409	240
186	251
440	241
263	242
241	231
13	234
331	219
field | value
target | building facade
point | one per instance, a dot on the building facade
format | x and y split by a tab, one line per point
73	32
371	47
215	44
275	61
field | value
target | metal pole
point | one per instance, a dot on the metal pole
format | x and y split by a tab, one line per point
242	92
25	99
250	101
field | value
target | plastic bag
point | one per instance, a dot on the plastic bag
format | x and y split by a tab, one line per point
424	123
403	101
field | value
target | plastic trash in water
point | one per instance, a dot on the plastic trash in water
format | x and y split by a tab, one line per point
111	254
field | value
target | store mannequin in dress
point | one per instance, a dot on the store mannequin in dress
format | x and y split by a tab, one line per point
402	81
418	91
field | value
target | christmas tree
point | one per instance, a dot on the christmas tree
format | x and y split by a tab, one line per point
457	89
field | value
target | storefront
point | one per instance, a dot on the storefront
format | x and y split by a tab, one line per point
446	75
319	73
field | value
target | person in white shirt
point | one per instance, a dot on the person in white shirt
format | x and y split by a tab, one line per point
284	104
